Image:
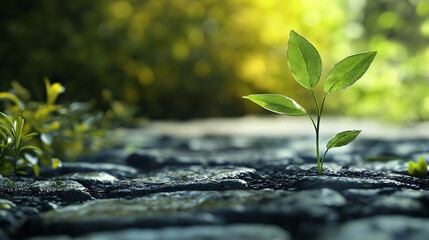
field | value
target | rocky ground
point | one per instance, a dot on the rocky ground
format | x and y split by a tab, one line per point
228	180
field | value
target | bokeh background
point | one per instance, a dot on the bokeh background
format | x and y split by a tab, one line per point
181	59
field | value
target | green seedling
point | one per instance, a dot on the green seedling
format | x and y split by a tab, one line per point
419	169
306	67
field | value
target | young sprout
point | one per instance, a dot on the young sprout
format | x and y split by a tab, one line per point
306	67
419	169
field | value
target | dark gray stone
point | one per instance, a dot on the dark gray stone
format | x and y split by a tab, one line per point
90	178
190	178
344	183
66	191
198	232
116	170
235	231
395	166
287	209
3	235
199	187
7	219
382	227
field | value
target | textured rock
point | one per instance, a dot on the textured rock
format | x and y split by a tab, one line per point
369	202
235	231
344	183
90	178
190	178
195	207
383	227
225	187
7	219
117	170
67	191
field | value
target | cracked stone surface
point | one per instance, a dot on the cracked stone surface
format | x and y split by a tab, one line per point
227	185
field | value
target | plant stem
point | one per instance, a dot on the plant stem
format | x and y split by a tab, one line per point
317	128
323	159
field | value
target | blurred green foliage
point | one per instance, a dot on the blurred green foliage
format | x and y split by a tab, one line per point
398	88
60	132
182	59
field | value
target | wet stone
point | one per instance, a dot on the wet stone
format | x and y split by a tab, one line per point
95	182
344	183
395	166
212	187
90	178
66	191
3	235
192	208
7	218
382	227
117	170
235	231
369	202
215	232
399	148
189	178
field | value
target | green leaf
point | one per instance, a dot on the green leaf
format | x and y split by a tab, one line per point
28	148
304	60
348	71
342	138
28	137
8	119
5	206
3	135
5	129
277	103
13	98
36	170
18	131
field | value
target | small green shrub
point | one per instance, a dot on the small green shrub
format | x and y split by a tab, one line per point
13	147
306	67
63	131
419	169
